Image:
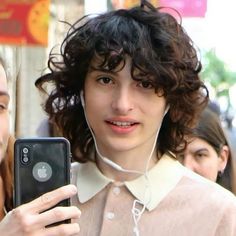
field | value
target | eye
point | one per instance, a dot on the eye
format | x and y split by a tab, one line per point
146	84
200	155
2	107
105	80
4	103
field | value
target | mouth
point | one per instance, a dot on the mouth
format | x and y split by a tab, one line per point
122	124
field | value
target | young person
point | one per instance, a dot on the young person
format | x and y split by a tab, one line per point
30	218
125	92
208	152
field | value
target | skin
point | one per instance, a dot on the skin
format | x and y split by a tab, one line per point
4	113
27	219
112	99
4	128
203	159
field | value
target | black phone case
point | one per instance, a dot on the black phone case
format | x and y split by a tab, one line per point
40	165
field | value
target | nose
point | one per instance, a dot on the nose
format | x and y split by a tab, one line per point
122	101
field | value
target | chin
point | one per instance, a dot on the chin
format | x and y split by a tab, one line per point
123	147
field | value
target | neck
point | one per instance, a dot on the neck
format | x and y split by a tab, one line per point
133	162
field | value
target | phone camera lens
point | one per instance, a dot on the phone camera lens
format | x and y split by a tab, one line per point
25	159
25	150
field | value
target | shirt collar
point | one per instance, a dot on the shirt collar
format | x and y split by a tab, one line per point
152	188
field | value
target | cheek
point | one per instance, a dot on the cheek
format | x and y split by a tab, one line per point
4	135
155	113
4	128
153	120
95	112
210	169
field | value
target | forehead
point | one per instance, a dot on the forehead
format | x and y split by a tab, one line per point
196	143
114	62
3	79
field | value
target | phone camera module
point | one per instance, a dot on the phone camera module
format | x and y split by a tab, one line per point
25	155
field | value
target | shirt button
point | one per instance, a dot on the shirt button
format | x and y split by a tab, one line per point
116	190
110	215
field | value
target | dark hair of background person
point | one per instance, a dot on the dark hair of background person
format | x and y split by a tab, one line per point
159	48
209	128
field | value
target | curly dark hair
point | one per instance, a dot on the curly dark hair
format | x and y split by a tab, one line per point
158	46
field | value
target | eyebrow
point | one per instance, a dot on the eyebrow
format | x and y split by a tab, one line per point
94	70
201	149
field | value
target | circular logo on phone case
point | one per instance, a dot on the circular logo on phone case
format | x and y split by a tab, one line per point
42	171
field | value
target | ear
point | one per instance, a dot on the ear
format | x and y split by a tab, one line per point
223	158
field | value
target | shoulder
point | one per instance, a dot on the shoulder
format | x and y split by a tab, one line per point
206	190
201	198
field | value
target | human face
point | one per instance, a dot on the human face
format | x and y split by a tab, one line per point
4	115
203	159
124	114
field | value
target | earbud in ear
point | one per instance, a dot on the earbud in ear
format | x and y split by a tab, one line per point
82	98
167	109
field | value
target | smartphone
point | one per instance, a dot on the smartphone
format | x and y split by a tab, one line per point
40	165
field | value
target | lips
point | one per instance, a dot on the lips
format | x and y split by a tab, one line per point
122	126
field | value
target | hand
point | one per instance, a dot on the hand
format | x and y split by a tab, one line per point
31	218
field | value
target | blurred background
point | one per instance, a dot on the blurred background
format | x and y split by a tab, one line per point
29	29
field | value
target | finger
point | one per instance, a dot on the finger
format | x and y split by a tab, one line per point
61	230
49	199
37	222
57	214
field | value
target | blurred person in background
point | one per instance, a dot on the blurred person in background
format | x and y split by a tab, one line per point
208	152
